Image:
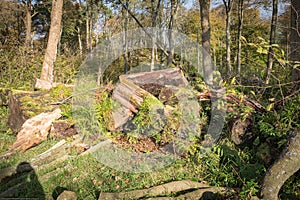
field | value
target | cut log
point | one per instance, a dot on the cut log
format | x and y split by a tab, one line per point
120	116
133	88
171	76
35	130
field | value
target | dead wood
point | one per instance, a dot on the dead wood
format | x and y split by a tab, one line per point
285	167
35	130
132	89
163	190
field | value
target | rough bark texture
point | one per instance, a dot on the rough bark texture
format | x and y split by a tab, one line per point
285	167
51	50
28	23
205	25
295	38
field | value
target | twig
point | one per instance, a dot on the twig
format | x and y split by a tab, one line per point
284	99
269	86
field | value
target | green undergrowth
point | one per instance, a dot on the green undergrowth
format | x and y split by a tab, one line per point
224	165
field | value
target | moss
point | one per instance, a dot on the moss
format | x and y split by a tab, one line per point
151	117
34	103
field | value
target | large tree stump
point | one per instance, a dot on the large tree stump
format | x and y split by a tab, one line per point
284	168
23	105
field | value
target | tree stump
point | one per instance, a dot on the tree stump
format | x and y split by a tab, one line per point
23	105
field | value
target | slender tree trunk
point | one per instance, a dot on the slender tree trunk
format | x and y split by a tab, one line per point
295	39
228	6
125	27
79	40
173	17
28	23
155	4
87	27
240	28
91	33
205	25
46	80
272	41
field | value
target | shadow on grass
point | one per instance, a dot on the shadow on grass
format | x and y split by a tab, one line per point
23	184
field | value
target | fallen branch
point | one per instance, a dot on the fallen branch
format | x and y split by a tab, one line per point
205	96
163	190
283	169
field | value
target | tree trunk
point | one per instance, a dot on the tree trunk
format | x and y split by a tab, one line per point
173	17
46	80
228	6
125	27
87	27
205	25
295	38
79	41
155	4
272	40
240	28
28	23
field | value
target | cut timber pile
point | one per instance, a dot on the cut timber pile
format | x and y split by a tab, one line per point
134	88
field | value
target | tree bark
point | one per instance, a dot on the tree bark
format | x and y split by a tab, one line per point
228	9
240	28
173	17
28	23
46	79
155	5
205	25
295	38
272	40
125	27
79	41
285	167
